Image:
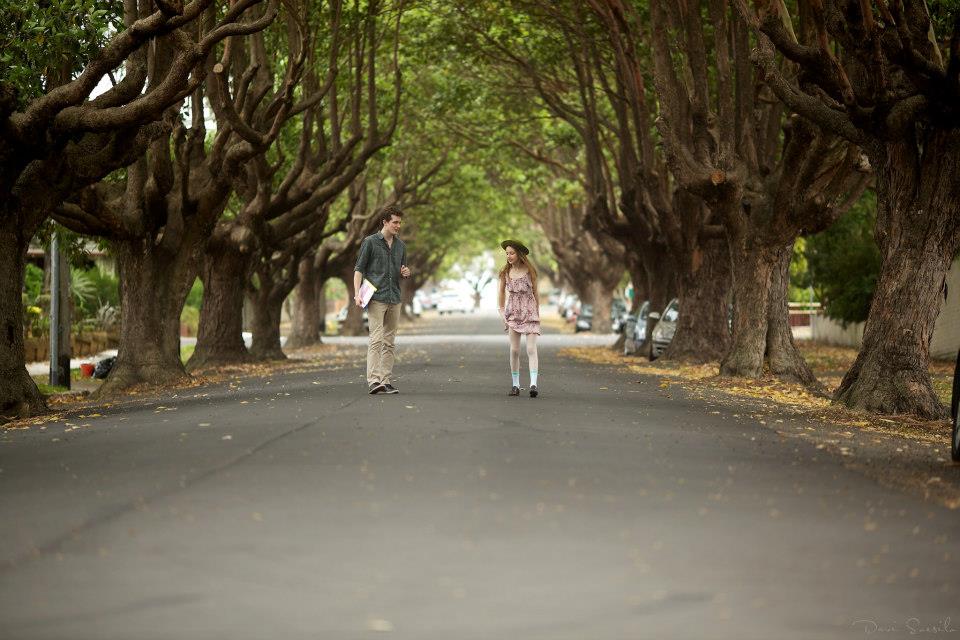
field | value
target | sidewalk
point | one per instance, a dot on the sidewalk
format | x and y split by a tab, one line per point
43	368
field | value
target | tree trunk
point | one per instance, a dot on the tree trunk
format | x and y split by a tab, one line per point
320	286
918	231
702	331
353	325
601	297
639	279
306	309
19	396
220	335
660	289
151	300
753	268
406	299
267	310
619	344
784	358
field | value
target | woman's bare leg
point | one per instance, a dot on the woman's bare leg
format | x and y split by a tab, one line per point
533	358
515	357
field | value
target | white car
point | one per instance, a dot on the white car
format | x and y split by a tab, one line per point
454	303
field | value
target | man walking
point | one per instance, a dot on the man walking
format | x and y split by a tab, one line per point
382	261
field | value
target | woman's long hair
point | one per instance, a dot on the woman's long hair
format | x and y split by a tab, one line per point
532	270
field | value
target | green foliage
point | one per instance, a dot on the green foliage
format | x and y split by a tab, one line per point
75	246
943	13
190	318
83	289
800	283
107	286
33	282
195	297
845	263
93	288
43	41
34	321
190	315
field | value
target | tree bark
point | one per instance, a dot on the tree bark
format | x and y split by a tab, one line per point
660	288
321	289
702	331
19	395
267	311
152	295
406	299
306	307
600	295
918	231
353	325
753	269
783	357
220	334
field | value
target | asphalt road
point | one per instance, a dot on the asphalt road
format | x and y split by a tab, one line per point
297	506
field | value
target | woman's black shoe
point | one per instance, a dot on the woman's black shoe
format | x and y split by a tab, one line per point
514	391
533	391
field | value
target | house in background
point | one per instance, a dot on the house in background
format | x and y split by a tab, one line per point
95	255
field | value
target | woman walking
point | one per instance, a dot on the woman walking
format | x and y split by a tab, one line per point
519	305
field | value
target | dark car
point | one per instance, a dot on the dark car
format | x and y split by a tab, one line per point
635	329
342	317
954	402
618	313
665	329
584	319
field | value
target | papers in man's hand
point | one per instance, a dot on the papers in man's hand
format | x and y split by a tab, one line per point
366	292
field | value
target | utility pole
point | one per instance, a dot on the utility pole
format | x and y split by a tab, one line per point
59	317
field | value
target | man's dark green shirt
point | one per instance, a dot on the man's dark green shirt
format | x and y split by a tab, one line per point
381	264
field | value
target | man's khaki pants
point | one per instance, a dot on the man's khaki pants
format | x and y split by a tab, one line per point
382	318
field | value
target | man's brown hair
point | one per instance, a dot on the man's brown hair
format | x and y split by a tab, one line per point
388	212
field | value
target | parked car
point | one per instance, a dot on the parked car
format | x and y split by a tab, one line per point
428	298
452	302
618	315
421	301
954	410
635	329
665	329
568	306
342	316
584	320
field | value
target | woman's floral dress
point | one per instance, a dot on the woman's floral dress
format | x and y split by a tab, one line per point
522	313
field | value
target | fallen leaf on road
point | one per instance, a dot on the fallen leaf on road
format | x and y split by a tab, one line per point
379	625
227	437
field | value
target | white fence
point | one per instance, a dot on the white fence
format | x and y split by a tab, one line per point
946	332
